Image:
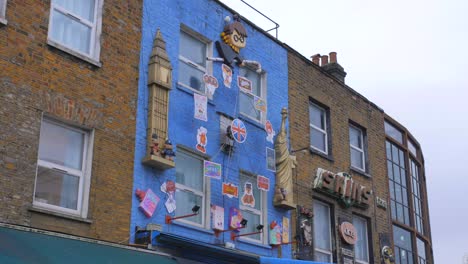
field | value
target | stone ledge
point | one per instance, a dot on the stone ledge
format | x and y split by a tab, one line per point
57	214
158	162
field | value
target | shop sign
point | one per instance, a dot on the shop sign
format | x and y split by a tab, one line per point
342	185
230	190
381	202
347	252
348	233
263	183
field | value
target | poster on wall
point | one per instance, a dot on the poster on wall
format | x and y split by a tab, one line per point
218	217
275	233
227	75
202	139
263	183
270	132
238	130
285	230
271	159
211	84
248	198
200	102
260	104
235	218
244	84
148	202
169	188
230	190
212	169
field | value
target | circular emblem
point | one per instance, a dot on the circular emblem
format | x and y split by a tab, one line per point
348	233
238	130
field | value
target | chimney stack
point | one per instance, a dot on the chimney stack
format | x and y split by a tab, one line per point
333	67
316	59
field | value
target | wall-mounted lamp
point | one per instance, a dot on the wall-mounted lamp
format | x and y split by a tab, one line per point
195	210
243	223
259	228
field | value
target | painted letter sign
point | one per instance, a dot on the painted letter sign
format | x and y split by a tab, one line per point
348	233
212	169
230	190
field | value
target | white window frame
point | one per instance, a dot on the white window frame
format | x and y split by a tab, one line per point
3	6
361	150
323	131
263	92
360	261
84	174
205	224
209	65
324	251
261	213
96	27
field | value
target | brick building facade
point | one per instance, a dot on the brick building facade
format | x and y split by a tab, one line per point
339	139
68	86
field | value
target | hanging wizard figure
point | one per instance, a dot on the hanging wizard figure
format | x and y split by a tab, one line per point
234	38
285	163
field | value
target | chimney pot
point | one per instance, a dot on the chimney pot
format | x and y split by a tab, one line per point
316	59
333	57
324	60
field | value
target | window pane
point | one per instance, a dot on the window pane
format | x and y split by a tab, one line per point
355	137
402	238
185	202
253	222
322	226
56	188
189	171
317	139
247	107
255	78
393	132
361	247
388	148
191	76
322	257
317	116
192	49
70	32
82	8
61	146
357	159
412	148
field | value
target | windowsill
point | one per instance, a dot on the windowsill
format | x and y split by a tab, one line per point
318	153
200	229
3	21
251	121
257	244
62	215
74	53
191	92
360	172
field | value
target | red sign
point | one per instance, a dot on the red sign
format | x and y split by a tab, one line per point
263	183
348	233
230	190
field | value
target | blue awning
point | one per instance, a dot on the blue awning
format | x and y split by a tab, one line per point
267	260
27	245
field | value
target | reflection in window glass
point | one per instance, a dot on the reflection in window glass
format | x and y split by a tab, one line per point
192	62
393	132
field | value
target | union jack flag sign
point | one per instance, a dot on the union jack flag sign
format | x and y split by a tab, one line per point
238	130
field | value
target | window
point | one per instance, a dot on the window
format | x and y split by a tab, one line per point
393	132
192	62
412	148
322	232
252	207
397	183
76	26
318	128
191	188
247	100
421	251
3	11
62	180
356	143
361	248
417	199
403	246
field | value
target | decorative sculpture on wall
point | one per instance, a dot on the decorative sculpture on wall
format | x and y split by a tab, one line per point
387	256
234	38
305	249
285	163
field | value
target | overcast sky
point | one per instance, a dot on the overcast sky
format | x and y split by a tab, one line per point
411	59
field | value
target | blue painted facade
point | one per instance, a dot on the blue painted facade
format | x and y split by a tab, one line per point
206	17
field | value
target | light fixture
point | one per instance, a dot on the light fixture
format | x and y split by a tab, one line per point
195	210
259	228
243	223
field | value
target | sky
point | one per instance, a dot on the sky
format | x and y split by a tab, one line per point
411	59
